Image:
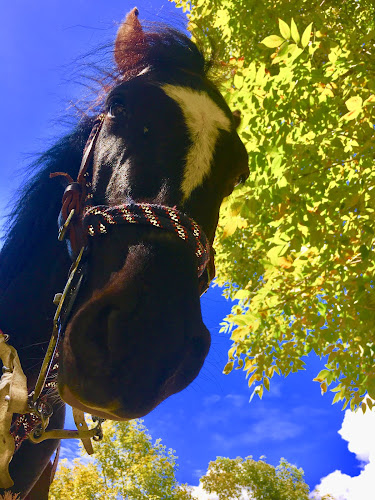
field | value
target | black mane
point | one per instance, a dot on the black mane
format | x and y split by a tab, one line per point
33	219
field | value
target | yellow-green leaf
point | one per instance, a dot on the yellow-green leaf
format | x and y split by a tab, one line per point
322	375
294	31
276	252
272	41
238	81
242	294
260	391
230	227
284	29
252	379
337	397
354	103
369	100
306	36
351	115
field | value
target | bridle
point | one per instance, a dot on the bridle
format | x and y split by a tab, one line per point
79	221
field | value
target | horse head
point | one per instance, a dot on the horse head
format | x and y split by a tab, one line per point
167	139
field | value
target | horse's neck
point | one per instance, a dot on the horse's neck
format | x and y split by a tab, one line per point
26	305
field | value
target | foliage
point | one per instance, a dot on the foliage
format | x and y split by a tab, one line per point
296	243
126	465
231	478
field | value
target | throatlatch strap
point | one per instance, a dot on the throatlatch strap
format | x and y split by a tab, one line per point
75	193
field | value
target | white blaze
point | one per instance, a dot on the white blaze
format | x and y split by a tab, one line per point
204	119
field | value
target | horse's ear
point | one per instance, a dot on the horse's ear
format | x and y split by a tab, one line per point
237	118
130	38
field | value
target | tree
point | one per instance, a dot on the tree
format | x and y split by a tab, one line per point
231	479
125	465
295	243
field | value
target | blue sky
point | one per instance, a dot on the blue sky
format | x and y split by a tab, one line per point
39	41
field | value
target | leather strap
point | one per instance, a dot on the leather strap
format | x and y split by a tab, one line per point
75	192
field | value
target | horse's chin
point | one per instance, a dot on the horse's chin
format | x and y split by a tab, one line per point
133	401
135	342
135	392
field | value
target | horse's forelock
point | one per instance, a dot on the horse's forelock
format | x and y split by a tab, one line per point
157	45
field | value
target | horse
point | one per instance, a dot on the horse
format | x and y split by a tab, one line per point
154	164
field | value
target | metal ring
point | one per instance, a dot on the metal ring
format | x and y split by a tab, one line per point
38	432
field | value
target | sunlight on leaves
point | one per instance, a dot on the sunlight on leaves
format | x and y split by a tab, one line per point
299	236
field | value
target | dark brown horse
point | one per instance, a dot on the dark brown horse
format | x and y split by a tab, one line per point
135	335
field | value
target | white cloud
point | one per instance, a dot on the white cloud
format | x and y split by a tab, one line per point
199	493
211	400
358	430
274	427
236	400
70	450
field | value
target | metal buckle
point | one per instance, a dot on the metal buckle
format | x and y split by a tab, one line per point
63	229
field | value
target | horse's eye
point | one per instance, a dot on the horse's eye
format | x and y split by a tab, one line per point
116	109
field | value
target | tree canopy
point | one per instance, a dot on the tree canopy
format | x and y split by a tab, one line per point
232	478
127	465
295	244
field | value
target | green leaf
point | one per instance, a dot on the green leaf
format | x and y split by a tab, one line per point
272	41
294	31
306	36
283	50
284	29
371	388
322	375
365	251
266	383
316	112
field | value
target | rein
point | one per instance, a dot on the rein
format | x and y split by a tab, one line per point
80	220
